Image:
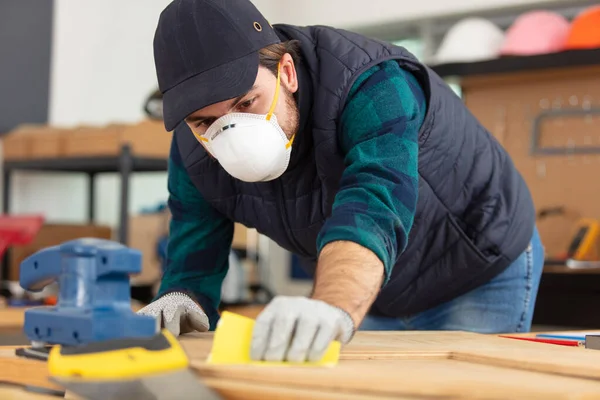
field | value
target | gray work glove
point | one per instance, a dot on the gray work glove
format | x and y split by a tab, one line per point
298	329
178	313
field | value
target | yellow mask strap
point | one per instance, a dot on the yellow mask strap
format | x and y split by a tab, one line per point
274	103
276	97
202	138
289	143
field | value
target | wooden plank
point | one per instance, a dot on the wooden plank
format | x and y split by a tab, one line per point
22	371
464	346
12	319
234	390
477	348
424	378
15	393
392	364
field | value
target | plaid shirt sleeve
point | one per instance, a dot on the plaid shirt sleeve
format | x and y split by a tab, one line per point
199	242
376	203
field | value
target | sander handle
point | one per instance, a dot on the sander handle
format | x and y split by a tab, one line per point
41	269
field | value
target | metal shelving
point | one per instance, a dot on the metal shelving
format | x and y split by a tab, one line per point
125	163
571	58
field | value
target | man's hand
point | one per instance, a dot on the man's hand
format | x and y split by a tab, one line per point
178	313
298	329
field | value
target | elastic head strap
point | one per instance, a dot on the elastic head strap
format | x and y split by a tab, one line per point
289	143
276	97
201	138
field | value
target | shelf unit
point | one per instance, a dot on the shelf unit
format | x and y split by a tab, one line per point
125	164
504	65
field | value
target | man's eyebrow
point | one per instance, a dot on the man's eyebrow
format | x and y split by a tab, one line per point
234	102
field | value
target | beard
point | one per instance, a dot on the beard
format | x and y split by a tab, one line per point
292	120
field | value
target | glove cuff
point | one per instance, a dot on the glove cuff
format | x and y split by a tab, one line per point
348	329
179	292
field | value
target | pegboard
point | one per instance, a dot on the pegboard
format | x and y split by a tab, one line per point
549	122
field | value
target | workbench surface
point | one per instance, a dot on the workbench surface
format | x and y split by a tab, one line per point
399	365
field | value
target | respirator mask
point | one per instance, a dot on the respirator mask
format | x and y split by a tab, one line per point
250	147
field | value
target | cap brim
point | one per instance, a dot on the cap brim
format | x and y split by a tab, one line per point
222	83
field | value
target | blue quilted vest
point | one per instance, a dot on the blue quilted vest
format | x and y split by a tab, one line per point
474	215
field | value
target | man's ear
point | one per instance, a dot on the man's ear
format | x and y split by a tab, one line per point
288	76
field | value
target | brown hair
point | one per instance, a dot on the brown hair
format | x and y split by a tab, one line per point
270	56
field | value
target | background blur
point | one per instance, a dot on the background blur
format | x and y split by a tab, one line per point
77	81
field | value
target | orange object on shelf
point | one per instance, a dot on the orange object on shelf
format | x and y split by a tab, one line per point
585	30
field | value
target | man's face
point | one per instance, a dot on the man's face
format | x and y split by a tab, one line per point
257	101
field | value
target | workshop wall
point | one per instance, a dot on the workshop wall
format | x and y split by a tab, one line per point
101	71
25	94
356	13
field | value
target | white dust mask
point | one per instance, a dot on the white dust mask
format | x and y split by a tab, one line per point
250	147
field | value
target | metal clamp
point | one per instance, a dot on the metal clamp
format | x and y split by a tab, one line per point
536	149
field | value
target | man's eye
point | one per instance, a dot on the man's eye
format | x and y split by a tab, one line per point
246	104
205	123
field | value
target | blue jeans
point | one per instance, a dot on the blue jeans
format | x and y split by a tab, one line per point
503	305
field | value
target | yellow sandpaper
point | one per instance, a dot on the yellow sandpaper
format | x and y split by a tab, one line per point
232	339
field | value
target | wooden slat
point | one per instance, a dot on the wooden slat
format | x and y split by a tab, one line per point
424	378
12	319
430	364
25	372
392	365
233	390
15	393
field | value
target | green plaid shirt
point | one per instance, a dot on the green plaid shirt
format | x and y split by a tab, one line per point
374	207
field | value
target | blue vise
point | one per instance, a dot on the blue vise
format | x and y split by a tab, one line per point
94	302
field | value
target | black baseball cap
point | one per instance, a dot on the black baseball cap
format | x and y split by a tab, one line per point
205	52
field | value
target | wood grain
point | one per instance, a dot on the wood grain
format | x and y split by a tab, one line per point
12	319
411	378
460	346
427	363
408	365
25	372
14	393
234	390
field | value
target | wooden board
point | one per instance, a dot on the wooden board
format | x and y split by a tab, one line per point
12	319
399	365
454	364
424	378
15	393
25	372
458	346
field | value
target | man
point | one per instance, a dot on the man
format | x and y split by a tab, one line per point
350	153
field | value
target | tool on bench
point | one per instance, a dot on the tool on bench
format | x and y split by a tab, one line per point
584	248
152	368
94	302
